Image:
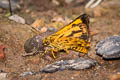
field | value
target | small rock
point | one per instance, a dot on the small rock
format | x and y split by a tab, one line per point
56	24
3	76
109	48
29	20
33	14
27	73
17	19
27	10
76	64
15	4
34	44
44	29
51	29
58	19
38	23
56	2
72	78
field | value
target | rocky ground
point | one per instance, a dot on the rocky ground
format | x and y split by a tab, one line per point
13	35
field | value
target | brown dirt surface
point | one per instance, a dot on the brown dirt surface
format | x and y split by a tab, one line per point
13	35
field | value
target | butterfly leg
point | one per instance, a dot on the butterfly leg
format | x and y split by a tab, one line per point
66	50
53	54
44	53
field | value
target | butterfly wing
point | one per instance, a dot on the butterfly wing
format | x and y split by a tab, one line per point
77	44
77	31
76	38
73	29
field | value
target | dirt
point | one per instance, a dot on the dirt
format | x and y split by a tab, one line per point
13	35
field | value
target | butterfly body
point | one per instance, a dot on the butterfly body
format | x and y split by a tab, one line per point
74	36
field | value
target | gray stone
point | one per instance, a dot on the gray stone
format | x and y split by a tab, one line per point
27	73
17	19
14	4
109	48
75	64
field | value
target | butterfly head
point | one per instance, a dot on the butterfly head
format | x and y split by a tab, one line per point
46	42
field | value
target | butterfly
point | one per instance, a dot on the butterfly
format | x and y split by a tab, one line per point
74	36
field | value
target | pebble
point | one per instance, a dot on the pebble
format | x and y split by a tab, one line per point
15	4
56	2
17	19
3	76
44	29
109	48
75	64
27	73
52	29
38	23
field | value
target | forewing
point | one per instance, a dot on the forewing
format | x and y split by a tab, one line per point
77	31
64	29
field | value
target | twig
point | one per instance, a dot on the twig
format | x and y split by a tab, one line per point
89	3
92	3
10	8
96	4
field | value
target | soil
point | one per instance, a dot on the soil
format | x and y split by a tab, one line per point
104	22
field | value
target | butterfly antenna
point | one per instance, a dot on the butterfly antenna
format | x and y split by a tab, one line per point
10	8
